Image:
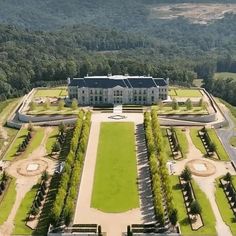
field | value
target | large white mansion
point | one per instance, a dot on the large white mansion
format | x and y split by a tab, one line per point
118	89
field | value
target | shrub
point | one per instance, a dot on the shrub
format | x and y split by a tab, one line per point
195	208
186	174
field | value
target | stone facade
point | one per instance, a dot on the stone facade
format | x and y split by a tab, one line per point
109	90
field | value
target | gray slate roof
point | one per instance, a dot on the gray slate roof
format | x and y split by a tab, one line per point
111	82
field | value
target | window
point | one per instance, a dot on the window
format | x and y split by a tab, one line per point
152	98
83	91
91	91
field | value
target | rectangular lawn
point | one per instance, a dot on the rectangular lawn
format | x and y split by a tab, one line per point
115	182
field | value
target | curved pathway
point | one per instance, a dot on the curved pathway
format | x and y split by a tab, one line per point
25	183
207	183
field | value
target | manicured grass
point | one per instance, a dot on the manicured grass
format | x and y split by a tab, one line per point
167	110
8	201
51	92
186	93
53	110
115	187
166	143
14	147
22	213
51	140
35	142
233	141
225	75
197	140
234	180
183	142
219	147
207	213
224	207
180	206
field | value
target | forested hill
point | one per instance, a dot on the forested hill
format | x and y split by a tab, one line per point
51	14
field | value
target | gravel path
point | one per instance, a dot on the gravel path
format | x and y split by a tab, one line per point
114	223
207	183
25	183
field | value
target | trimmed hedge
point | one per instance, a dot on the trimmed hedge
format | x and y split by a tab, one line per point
159	173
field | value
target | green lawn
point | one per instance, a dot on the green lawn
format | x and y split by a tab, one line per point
166	143
234	180
183	142
22	213
115	188
219	147
167	110
14	146
58	92
51	140
207	213
53	110
233	141
224	207
34	143
197	140
7	201
179	92
225	75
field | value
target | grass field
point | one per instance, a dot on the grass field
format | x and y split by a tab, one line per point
34	143
207	213
197	140
233	141
22	213
179	92
219	147
115	188
39	110
14	147
51	140
7	201
59	92
224	208
225	75
183	142
166	143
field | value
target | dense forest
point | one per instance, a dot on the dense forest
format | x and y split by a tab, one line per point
44	42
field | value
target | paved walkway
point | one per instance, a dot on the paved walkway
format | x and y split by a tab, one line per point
207	183
25	183
114	223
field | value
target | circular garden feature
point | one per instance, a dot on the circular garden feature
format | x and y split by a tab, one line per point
201	167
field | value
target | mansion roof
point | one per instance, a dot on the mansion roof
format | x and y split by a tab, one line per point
117	80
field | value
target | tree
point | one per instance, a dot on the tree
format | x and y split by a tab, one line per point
30	127
201	103
74	104
189	104
186	174
228	177
32	106
173	216
56	147
62	128
46	104
175	104
195	208
61	104
45	176
99	230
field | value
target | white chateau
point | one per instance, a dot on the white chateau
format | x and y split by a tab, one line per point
118	89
